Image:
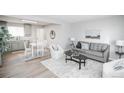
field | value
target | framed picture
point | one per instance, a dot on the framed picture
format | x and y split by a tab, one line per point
92	34
52	34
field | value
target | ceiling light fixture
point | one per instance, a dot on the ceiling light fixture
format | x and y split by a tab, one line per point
28	21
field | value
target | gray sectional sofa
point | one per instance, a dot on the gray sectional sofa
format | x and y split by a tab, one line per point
96	51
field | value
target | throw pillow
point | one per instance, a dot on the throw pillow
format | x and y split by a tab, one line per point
119	65
78	45
55	48
118	68
85	46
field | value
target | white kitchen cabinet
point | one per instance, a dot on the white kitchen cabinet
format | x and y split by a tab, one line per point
17	45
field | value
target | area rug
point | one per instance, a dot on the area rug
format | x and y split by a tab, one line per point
92	69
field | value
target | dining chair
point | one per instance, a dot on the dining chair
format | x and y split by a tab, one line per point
39	47
56	51
27	48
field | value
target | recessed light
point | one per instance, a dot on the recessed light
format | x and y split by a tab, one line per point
29	21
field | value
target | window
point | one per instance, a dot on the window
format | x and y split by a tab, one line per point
16	31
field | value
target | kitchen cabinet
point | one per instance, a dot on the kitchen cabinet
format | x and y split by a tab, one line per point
16	45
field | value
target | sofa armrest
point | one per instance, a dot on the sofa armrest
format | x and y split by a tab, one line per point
106	54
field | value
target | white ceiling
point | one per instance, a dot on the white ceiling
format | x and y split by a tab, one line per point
11	19
51	19
72	18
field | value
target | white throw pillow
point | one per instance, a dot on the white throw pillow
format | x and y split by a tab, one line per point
55	48
119	65
85	46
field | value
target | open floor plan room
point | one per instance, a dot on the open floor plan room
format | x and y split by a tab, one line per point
61	46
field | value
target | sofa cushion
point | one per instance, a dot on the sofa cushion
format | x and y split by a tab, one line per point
98	47
95	53
79	50
83	51
85	45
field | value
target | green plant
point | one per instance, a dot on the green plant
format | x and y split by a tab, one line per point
4	37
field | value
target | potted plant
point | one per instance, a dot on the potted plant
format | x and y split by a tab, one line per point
4	37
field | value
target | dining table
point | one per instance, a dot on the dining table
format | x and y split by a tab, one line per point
34	47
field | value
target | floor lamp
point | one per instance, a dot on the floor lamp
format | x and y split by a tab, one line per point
72	40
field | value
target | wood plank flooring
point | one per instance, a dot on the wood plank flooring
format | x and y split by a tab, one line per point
15	67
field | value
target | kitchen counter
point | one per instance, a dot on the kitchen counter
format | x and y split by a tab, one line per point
16	45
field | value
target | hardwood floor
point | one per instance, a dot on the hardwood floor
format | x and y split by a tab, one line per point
15	67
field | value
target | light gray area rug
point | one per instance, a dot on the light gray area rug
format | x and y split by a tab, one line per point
60	68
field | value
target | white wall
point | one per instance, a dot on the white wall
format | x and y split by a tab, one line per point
40	34
35	31
62	34
111	29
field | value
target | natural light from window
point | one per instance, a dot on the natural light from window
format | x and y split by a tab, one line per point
16	31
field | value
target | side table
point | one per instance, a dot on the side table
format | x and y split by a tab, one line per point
120	54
